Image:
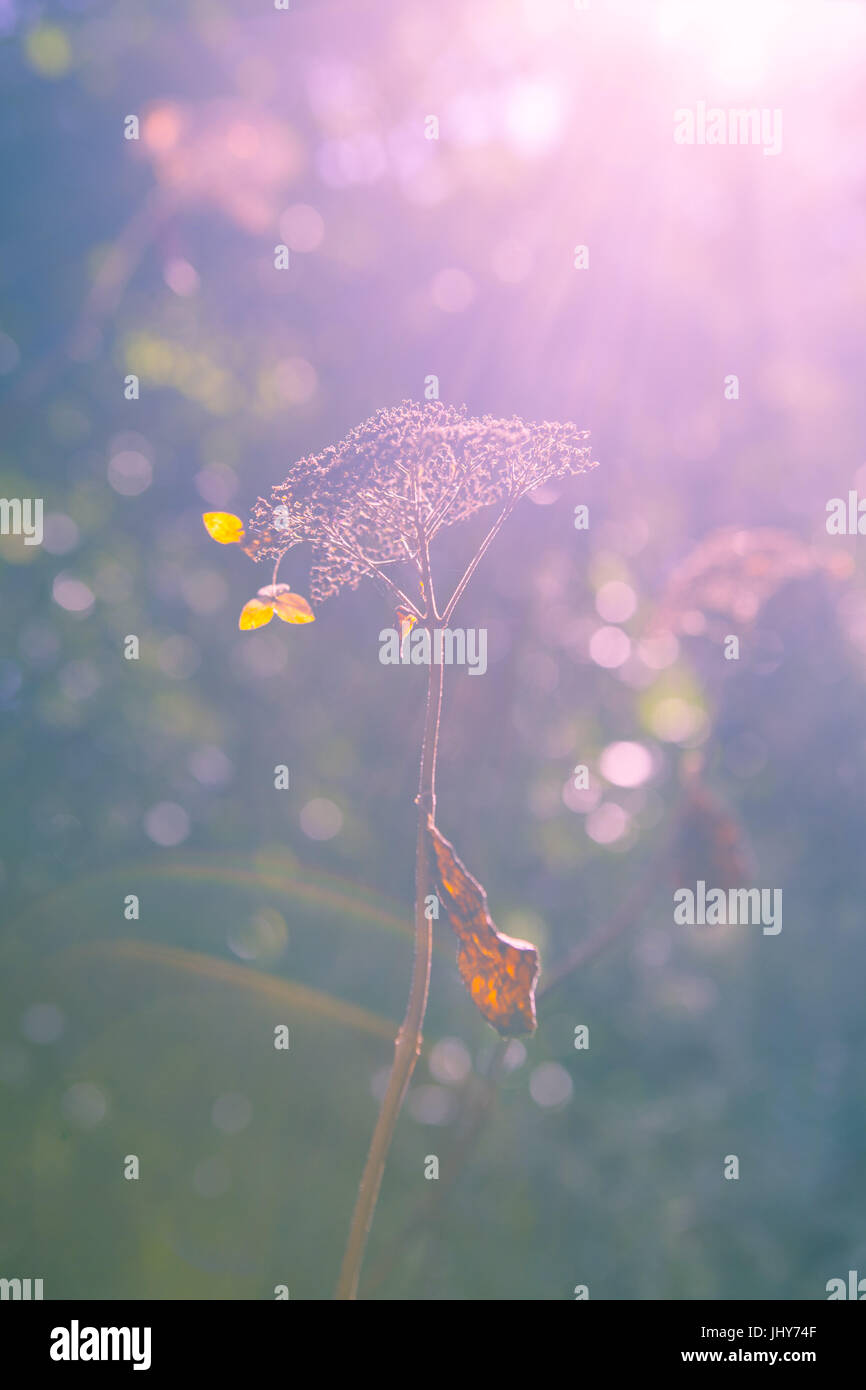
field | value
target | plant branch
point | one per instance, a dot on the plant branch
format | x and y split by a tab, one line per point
407	1046
479	556
481	1092
424	555
336	539
439	512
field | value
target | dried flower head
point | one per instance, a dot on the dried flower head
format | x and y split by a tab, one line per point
385	491
734	571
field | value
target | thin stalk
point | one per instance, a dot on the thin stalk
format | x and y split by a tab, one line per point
478	1099
479	556
407	1046
376	573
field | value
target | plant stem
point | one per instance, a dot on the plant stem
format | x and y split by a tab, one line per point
477	1100
479	555
409	1038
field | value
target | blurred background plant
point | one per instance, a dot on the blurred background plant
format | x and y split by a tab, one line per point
413	258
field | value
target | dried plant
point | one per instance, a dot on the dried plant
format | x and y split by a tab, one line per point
372	507
733	572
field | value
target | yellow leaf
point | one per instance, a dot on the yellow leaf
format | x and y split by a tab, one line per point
224	527
255	614
292	608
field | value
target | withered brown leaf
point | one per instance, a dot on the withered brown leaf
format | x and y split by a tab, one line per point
499	971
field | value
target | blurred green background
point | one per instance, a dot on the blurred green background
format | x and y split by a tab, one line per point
410	258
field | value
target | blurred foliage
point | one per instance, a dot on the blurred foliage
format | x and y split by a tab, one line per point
455	258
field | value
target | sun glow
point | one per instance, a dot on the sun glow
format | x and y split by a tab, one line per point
744	41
